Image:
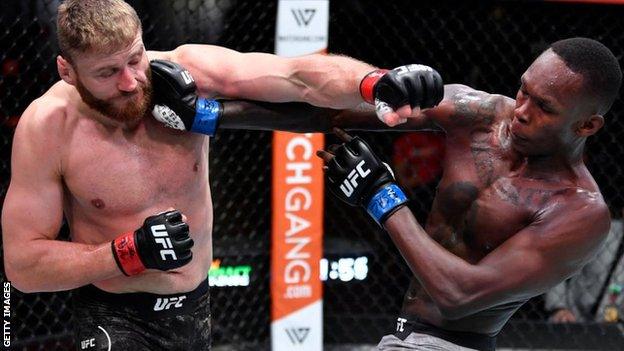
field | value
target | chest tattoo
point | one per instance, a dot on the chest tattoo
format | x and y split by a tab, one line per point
484	162
525	197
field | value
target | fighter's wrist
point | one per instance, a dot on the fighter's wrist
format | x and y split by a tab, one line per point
207	116
367	84
126	254
385	201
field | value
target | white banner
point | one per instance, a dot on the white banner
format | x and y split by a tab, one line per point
302	330
302	27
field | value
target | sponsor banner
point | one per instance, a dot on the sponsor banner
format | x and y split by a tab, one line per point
302	27
297	198
295	333
297	225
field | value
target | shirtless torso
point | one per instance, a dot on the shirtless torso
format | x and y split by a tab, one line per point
113	179
487	195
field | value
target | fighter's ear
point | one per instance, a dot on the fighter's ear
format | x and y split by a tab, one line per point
590	125
66	70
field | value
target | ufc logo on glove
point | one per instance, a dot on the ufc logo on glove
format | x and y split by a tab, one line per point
350	183
162	237
413	68
186	76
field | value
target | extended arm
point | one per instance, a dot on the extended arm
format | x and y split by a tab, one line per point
304	118
322	80
462	106
336	82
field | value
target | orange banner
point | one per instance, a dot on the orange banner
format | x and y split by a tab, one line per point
297	222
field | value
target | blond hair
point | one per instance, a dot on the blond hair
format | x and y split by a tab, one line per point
100	26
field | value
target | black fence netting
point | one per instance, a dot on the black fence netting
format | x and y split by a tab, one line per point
486	45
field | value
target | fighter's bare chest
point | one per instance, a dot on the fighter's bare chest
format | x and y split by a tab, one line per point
127	175
476	219
481	201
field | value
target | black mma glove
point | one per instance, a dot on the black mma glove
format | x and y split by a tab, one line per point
416	85
358	177
176	102
162	243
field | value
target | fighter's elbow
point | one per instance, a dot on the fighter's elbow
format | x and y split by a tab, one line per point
453	311
20	276
452	304
23	287
19	280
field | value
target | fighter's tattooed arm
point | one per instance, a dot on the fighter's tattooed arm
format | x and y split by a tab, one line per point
464	107
476	108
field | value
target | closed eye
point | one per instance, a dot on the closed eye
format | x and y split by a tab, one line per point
107	73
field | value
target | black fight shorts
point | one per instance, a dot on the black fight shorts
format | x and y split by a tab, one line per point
141	321
464	340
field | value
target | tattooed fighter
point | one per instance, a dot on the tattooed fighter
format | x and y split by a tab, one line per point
516	211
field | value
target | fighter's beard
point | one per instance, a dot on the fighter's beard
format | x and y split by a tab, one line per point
131	112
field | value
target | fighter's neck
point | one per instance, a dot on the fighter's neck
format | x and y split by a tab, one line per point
553	167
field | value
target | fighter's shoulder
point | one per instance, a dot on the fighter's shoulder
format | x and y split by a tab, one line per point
210	65
46	114
584	204
571	224
471	107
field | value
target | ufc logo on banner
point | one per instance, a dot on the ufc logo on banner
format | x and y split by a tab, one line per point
348	185
165	303
162	237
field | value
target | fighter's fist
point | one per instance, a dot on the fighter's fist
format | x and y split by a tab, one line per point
358	177
162	243
412	85
176	102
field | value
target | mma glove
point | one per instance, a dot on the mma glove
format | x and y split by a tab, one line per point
176	102
416	85
358	177
162	242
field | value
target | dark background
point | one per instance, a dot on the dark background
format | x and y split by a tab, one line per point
484	44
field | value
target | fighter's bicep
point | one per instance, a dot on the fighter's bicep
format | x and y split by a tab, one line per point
33	204
223	72
32	211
